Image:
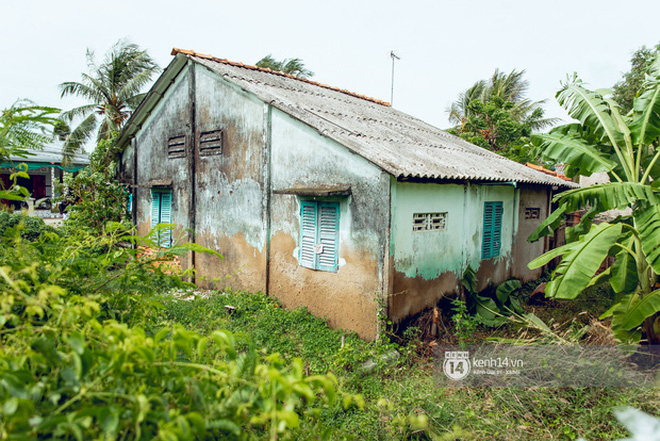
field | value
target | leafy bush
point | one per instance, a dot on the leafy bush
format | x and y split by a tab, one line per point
95	195
73	363
31	227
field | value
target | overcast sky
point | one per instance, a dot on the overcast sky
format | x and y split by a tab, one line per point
445	46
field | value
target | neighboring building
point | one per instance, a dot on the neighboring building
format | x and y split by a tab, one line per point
45	168
322	197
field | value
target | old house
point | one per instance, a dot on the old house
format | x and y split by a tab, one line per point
322	197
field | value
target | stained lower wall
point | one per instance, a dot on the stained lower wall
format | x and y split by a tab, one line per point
301	157
229	185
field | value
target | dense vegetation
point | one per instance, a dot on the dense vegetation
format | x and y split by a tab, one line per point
83	353
624	147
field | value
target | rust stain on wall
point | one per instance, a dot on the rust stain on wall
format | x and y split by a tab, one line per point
347	299
242	268
413	294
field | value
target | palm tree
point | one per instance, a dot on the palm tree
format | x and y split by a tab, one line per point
291	66
508	88
112	90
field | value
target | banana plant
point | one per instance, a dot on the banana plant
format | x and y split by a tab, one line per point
626	148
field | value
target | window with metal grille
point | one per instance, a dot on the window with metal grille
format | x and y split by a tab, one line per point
161	213
492	238
319	235
210	143
176	147
429	221
532	213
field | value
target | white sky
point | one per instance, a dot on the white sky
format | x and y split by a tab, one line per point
445	46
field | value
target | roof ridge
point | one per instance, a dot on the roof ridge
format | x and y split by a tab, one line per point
191	53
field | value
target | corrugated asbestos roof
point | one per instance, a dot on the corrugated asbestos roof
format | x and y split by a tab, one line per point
402	145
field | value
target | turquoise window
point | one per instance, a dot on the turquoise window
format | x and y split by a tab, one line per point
492	239
319	235
161	213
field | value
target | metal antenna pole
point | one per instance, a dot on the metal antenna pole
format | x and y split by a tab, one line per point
393	56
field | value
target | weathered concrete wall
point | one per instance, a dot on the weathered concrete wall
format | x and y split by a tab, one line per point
347	298
229	189
531	196
429	264
171	117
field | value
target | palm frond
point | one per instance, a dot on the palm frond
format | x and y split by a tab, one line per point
79	89
111	88
133	87
79	136
78	112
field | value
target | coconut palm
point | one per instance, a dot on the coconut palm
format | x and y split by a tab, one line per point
291	66
626	148
112	90
507	88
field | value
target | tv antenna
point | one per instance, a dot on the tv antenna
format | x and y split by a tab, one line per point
393	56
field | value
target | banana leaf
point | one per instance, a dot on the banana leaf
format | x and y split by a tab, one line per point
581	261
647	218
639	308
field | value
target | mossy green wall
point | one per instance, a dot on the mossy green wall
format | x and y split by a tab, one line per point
428	254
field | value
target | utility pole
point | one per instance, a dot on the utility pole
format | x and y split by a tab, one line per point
393	56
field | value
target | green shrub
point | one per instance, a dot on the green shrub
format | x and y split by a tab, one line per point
31	229
75	364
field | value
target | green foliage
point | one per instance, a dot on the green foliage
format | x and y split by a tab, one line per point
31	228
496	115
625	91
296	333
112	90
94	194
624	146
465	323
23	127
492	125
97	199
291	66
75	364
490	307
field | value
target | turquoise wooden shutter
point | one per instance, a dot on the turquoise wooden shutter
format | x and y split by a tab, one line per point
166	218
306	255
161	213
327	236
497	228
155	209
492	237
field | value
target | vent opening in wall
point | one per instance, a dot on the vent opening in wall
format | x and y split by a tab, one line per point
176	147
429	221
532	213
210	143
